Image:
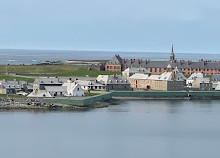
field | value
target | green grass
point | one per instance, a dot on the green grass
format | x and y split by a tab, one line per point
53	70
6	77
187	75
91	94
11	96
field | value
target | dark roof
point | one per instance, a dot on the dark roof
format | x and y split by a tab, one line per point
215	77
116	60
163	64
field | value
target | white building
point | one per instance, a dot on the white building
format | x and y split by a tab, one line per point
73	89
91	85
200	77
133	70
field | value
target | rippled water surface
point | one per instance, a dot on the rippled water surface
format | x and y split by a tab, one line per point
154	129
16	57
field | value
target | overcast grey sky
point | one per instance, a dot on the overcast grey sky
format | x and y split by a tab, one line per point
115	25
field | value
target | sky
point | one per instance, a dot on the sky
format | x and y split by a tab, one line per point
193	26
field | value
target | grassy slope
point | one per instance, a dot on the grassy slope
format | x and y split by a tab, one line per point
11	96
6	77
52	70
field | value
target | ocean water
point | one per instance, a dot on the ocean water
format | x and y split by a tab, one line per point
132	129
17	57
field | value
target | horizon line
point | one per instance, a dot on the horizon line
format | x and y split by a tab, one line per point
120	51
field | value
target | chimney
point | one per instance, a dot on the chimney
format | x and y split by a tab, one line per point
188	63
180	62
123	61
131	61
203	63
173	75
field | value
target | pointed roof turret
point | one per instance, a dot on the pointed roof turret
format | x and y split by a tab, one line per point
172	56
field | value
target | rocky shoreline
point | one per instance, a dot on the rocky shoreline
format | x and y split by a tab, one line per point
41	104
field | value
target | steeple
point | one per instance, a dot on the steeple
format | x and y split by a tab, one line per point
172	56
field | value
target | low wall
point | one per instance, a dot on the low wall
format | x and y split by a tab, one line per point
168	94
87	101
81	101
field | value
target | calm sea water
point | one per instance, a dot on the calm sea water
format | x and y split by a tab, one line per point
38	56
132	129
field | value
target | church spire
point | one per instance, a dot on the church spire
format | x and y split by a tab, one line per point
172	56
172	50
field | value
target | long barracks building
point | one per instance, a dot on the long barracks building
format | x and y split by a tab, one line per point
158	67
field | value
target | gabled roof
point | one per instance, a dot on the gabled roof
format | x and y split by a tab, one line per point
179	75
112	79
200	77
77	86
139	76
82	82
137	70
40	94
116	60
50	80
197	75
56	88
180	64
215	77
164	76
218	86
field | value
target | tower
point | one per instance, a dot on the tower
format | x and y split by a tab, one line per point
172	56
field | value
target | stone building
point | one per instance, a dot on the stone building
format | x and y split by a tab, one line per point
168	81
12	87
159	67
197	76
115	64
114	82
201	85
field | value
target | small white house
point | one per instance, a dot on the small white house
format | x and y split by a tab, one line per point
74	89
77	91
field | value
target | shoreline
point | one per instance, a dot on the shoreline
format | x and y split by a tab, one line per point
17	104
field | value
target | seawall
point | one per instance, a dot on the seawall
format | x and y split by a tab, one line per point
88	101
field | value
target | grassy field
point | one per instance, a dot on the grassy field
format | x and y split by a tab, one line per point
6	77
52	70
11	96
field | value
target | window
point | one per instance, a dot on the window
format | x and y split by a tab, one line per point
77	89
